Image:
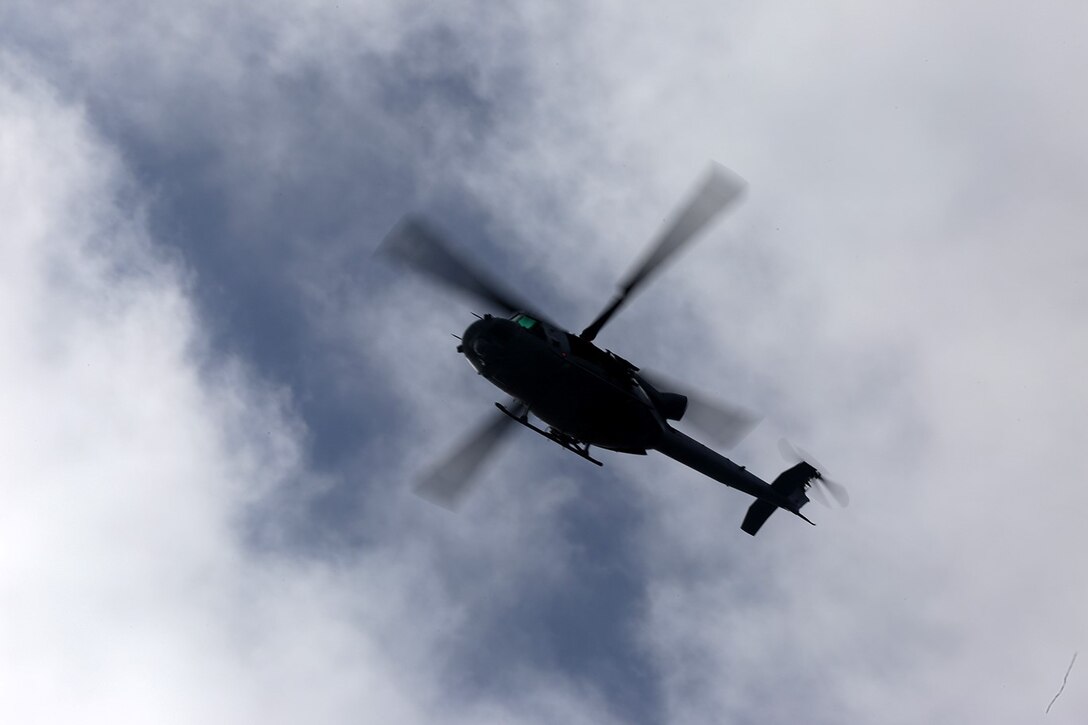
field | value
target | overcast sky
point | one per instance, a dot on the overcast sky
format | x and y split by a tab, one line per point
213	400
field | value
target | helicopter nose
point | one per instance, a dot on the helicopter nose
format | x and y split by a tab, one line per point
474	343
475	335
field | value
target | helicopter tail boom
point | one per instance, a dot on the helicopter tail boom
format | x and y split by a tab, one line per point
786	492
685	449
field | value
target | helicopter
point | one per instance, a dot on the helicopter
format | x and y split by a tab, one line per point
584	395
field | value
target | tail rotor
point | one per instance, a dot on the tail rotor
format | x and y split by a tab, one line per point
821	485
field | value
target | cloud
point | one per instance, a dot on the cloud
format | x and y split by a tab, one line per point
900	292
892	297
132	461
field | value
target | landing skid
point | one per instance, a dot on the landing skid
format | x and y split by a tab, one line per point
573	445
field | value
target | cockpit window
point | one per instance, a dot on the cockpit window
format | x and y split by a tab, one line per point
525	321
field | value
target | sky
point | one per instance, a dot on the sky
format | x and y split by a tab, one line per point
215	398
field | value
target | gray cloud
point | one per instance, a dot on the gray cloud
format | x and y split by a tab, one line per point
901	291
129	589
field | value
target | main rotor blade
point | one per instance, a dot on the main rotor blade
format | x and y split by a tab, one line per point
718	188
723	424
449	482
415	243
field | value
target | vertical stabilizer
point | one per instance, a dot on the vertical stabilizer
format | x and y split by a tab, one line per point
791	485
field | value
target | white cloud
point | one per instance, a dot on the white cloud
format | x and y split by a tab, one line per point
127	590
917	199
901	289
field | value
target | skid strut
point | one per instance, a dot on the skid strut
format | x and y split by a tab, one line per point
572	444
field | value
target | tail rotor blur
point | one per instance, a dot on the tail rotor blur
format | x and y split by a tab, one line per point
822	485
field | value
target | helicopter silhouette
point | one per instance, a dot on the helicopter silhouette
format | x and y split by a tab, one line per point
585	395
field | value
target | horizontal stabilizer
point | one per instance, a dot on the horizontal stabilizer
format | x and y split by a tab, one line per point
758	513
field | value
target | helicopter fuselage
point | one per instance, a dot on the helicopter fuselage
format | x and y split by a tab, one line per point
572	385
